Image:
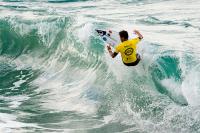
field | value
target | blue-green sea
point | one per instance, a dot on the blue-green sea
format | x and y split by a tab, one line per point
56	75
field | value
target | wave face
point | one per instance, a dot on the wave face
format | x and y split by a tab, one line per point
56	76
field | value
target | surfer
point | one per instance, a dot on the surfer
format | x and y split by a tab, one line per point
127	48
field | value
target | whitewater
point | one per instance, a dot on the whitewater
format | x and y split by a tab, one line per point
56	75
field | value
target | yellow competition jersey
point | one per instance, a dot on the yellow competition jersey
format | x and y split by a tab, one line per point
128	50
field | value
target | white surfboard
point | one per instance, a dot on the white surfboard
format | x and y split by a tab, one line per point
112	37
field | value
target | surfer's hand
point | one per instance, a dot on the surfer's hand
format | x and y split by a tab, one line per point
138	33
109	48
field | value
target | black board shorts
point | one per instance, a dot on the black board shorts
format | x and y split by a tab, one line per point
134	63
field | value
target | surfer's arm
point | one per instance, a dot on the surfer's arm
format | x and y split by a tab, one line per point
112	54
140	36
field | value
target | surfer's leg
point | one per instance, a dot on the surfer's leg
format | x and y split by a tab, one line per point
138	56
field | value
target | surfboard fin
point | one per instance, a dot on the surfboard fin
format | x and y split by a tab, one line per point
101	32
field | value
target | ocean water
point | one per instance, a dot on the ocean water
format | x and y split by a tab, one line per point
56	75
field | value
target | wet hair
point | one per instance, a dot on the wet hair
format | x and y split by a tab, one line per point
123	34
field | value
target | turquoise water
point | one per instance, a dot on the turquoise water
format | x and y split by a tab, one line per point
56	76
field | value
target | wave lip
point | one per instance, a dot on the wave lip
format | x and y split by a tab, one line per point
63	1
150	20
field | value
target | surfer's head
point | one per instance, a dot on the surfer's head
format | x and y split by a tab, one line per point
123	35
